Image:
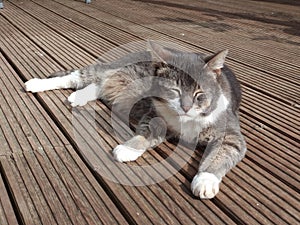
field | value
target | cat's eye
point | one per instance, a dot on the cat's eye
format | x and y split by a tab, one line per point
198	92
200	97
177	91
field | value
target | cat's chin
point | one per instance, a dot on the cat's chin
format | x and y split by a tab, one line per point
184	115
185	118
188	116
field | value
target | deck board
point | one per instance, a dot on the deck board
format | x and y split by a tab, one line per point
7	214
215	44
48	145
55	187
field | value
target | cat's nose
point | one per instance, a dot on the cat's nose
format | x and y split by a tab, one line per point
186	108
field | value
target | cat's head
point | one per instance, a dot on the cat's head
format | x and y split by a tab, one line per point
189	83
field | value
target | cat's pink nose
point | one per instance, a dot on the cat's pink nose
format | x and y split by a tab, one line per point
186	108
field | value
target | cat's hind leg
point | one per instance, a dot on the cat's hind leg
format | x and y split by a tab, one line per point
148	135
131	150
70	80
83	96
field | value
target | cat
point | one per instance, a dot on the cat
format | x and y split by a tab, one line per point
196	97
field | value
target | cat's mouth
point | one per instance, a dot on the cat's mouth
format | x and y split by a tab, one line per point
182	115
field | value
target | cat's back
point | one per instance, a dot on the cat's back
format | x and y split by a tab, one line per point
231	87
130	59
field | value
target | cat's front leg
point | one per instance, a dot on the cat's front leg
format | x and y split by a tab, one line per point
221	155
69	79
205	185
83	96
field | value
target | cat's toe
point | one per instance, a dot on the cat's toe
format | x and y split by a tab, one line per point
205	185
34	85
76	99
124	153
71	99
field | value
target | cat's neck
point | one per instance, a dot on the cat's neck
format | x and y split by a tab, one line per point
213	116
188	127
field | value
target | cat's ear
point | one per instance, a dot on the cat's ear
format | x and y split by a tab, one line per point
216	62
158	52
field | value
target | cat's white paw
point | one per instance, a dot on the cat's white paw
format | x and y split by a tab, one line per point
35	85
124	153
75	99
83	96
205	185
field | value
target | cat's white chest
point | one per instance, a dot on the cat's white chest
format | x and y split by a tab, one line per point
189	126
190	130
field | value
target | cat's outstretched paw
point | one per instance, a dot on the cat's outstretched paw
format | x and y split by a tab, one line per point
75	99
205	185
35	85
83	96
124	153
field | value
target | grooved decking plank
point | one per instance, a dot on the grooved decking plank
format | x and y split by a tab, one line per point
272	108
90	25
224	22
177	13
70	31
249	200
242	71
34	32
40	168
7	214
71	15
262	208
126	25
87	22
228	21
21	193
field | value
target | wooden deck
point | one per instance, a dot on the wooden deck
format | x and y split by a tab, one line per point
55	161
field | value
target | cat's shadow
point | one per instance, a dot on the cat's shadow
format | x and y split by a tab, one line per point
189	170
185	188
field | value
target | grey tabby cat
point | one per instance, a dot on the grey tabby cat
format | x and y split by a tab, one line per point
197	97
